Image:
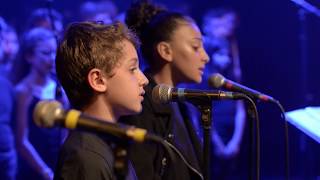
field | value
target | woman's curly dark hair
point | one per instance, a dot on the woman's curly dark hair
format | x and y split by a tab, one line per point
140	14
153	23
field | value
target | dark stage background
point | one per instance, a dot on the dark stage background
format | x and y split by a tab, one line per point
271	60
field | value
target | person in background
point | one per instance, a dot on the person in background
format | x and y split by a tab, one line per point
98	67
220	42
105	11
11	45
171	44
37	148
3	25
8	156
51	20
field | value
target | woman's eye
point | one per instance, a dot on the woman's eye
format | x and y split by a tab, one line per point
196	48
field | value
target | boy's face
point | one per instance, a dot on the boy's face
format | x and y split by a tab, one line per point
125	88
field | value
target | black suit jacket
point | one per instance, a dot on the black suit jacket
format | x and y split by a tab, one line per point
170	122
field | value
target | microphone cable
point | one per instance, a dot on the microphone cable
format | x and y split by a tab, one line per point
255	146
217	81
286	140
167	148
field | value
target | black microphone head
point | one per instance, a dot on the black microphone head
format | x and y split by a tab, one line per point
216	80
46	112
161	93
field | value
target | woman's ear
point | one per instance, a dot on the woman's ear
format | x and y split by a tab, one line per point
97	80
165	51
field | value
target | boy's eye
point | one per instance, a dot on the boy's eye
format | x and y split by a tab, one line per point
133	69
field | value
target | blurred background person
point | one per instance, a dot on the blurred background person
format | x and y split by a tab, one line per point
52	20
48	19
220	42
3	25
37	147
105	11
8	157
10	45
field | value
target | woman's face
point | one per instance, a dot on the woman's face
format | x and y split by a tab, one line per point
188	54
42	59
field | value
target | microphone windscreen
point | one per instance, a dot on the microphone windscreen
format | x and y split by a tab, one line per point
46	112
161	94
216	80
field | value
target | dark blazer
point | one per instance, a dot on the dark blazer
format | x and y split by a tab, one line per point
87	156
170	122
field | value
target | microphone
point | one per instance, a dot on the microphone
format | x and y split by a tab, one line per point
48	114
163	94
218	81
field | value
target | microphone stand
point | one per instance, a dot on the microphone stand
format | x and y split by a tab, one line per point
205	109
206	115
120	164
305	7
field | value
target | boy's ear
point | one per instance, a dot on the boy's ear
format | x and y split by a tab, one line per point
97	80
165	51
